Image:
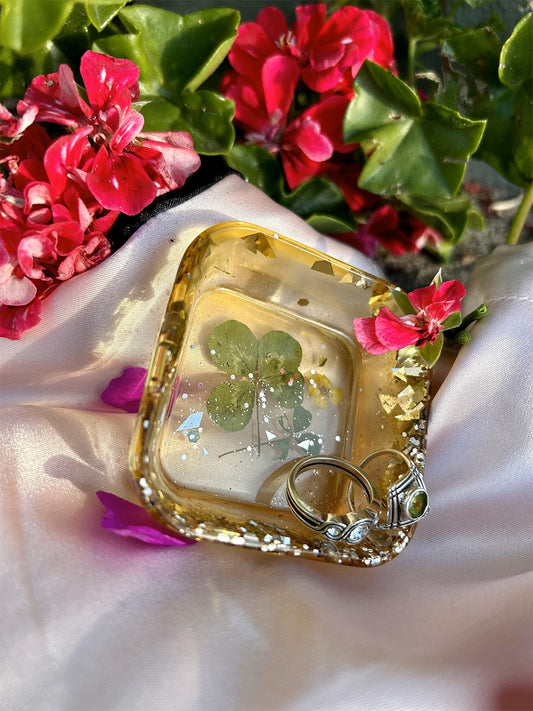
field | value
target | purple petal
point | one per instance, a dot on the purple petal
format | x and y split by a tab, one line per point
126	519
125	392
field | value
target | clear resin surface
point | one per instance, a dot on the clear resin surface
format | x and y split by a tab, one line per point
256	365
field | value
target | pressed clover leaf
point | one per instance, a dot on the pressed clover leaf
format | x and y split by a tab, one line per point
233	348
279	357
270	367
308	441
230	404
301	418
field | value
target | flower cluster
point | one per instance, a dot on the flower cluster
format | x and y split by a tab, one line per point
430	310
60	193
291	88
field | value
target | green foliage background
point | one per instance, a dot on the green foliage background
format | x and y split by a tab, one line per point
477	79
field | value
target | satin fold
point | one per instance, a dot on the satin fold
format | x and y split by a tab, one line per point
93	621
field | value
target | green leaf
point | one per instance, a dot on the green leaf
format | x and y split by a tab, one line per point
26	25
452	321
516	59
410	147
477	58
301	418
230	404
478	50
316	195
17	70
431	351
311	441
477	3
331	224
101	13
279	356
401	298
259	167
179	52
523	129
205	115
233	348
283	445
437	279
450	216
287	390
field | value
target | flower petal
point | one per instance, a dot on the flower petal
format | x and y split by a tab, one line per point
130	126
31	251
17	292
108	79
12	126
57	98
250	50
393	332
126	519
15	320
365	332
310	139
120	182
273	22
125	392
439	302
6	267
178	154
84	257
279	77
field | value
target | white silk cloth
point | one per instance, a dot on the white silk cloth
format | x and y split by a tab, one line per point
93	621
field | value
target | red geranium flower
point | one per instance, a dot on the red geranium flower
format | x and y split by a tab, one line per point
262	111
329	51
344	171
398	232
59	197
432	306
129	168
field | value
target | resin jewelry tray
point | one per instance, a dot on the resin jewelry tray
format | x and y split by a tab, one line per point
256	365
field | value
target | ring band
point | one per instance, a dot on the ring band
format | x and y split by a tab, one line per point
407	500
351	527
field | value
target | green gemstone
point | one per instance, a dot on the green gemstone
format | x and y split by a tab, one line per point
417	505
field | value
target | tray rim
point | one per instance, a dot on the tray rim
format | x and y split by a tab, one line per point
147	483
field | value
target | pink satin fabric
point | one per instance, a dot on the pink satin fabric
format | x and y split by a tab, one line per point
93	621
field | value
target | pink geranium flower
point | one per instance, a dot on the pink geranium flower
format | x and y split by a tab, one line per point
432	306
272	63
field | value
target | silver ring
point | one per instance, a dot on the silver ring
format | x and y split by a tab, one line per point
407	500
351	527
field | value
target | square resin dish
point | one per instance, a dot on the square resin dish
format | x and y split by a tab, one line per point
256	366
